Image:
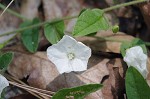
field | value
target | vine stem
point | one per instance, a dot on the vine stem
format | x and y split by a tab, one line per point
37	25
123	5
65	18
115	40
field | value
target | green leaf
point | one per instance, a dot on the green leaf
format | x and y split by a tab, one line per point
77	92
5	60
1	45
54	32
90	21
82	11
2	96
134	42
92	34
30	37
136	85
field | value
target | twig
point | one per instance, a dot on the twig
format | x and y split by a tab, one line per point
36	95
13	12
6	8
29	89
123	5
11	78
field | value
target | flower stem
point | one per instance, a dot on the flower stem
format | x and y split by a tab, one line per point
116	40
147	43
37	25
13	12
109	39
57	20
123	5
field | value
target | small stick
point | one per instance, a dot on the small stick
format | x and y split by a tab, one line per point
20	86
38	96
41	90
6	8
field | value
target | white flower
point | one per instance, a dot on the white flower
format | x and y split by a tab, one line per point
3	83
69	55
136	57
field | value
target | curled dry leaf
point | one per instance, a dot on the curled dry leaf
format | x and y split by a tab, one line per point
114	85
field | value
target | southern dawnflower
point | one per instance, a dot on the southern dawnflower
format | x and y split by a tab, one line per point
69	55
3	83
135	57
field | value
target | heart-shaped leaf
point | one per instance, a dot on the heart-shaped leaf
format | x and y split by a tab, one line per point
136	85
30	37
77	92
5	60
54	32
90	21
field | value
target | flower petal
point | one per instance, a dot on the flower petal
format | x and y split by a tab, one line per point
136	57
67	43
3	83
54	53
82	51
79	65
63	66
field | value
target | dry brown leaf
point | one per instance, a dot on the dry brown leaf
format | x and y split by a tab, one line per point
114	85
58	8
29	8
51	9
106	46
36	66
8	23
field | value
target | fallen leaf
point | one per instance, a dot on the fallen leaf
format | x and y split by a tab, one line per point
40	70
114	85
29	8
103	45
8	23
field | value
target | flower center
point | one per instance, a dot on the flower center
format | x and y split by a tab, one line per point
71	56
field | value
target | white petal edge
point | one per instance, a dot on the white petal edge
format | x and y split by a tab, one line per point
136	57
62	66
83	51
79	65
3	83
